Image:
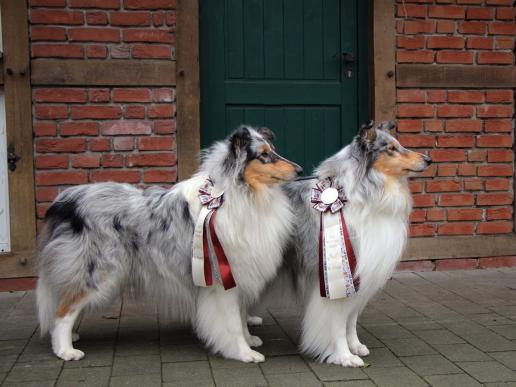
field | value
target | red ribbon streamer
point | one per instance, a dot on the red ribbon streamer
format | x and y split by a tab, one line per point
226	275
322	286
208	277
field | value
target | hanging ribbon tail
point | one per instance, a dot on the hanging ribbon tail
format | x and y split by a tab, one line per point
226	275
351	252
201	266
322	279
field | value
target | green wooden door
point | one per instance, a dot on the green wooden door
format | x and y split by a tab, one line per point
280	64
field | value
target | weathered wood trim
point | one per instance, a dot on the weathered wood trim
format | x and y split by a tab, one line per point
460	247
78	72
18	264
384	48
1	72
420	75
188	88
18	107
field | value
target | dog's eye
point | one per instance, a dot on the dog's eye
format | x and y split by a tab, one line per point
393	148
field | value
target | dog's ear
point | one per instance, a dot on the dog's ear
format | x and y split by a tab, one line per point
387	126
267	134
239	140
368	132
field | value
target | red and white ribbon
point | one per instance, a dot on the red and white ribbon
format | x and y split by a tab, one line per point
337	261
208	256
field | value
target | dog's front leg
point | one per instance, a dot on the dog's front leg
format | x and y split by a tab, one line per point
354	343
219	323
253	341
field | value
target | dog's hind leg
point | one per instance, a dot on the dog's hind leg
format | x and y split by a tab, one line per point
355	346
219	323
253	341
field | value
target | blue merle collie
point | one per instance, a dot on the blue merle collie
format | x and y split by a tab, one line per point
102	238
373	173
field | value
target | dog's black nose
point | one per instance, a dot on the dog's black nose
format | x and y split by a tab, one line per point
299	170
428	160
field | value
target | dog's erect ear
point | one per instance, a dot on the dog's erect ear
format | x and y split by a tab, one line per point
387	125
267	134
368	132
239	140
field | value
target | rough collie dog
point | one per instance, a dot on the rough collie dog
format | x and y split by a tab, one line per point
102	238
372	171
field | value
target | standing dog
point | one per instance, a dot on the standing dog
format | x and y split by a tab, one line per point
372	172
102	238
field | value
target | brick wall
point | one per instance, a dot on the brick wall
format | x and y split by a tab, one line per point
92	134
468	132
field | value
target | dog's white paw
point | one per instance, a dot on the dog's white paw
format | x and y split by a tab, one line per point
254	341
251	356
254	321
349	360
360	350
75	337
71	354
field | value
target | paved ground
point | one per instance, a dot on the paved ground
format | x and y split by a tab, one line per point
437	328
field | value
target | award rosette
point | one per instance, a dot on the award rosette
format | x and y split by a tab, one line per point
337	261
208	257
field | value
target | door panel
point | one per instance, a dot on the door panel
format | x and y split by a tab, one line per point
277	63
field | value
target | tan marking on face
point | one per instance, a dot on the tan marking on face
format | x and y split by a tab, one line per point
266	148
398	164
259	175
68	303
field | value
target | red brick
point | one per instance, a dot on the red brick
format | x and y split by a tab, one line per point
164	127
51	111
456	200
415	266
147	35
504	43
499	213
494	57
495	170
463	126
455	96
443	186
411	10
445	27
446	12
412	126
420	56
445	42
420	230
499	96
134	111
446	56
131	95
411	42
434	125
18	284
506	13
498	126
410	96
436	96
125	127
61	145
499	28
151	160
96	51
418	26
473	184
467	170
123	143
415	111
163	95
47	3
130	18
447	170
46	194
58	94
97	18
456	229
120	51
416	140
47	33
429	172
98	95
155	143
89	34
79	128
146	51
158	19
149	4
41	209
61	177
51	161
46	16
494	199
113	161
496	227
478	42
435	214
473	27
496	111
496	262
494	141
100	144
57	51
499	2
104	4
86	161
455	141
500	156
424	200
96	112
498	185
455	111
160	111
482	13
115	175
416	186
456	264
465	214
159	176
446	155
45	129
477	155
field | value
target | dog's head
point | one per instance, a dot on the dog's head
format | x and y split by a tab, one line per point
260	166
386	155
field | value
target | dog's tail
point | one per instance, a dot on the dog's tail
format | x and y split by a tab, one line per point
46	305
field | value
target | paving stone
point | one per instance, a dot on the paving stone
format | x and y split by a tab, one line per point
354	383
500	384
91	376
461	352
440	336
190	383
457	380
368	339
507	331
384	332
278	347
328	372
186	352
136	381
430	365
423	325
136	365
94	357
488	371
382	357
218	362
190	371
293	380
409	347
284	365
394	377
28	372
489	319
11	347
239	377
481	337
39	383
6	363
506	358
132	347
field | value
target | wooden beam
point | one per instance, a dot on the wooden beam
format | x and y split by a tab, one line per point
18	264
188	88
103	72
460	247
420	75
